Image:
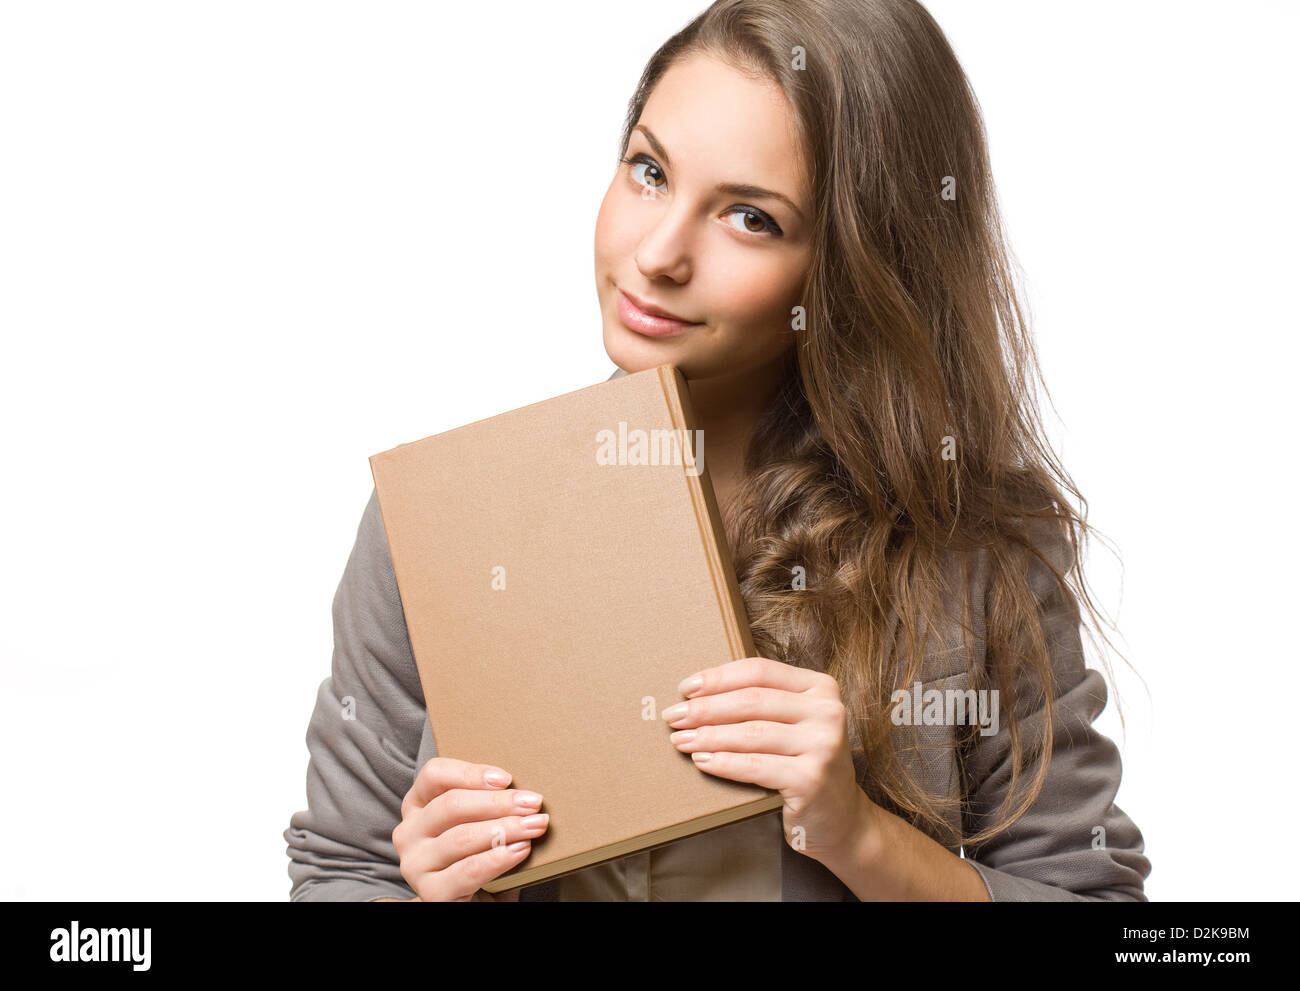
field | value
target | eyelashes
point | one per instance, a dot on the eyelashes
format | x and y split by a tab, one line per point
772	228
635	160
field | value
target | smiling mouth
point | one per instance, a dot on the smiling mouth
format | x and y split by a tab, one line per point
646	323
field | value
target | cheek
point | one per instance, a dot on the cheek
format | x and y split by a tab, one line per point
757	292
616	233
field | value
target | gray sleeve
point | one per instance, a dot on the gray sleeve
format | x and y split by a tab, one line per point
1055	852
363	738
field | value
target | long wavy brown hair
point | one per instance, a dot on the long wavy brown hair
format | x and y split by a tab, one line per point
913	341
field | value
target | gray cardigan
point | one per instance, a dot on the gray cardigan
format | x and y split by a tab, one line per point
364	760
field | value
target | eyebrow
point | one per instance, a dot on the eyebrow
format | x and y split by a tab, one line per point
733	188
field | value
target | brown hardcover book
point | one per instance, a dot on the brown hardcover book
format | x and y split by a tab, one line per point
562	568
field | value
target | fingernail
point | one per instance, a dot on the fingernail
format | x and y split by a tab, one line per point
683	736
528	800
701	758
691	685
535	822
497	779
516	847
675	712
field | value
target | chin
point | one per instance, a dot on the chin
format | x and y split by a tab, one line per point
634	353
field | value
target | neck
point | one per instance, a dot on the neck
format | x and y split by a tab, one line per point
727	407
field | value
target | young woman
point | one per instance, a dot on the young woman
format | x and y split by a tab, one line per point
803	221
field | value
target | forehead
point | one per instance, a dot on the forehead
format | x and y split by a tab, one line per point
722	125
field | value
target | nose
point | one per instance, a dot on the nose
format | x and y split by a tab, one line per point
665	250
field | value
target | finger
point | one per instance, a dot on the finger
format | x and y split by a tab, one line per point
462	879
472	838
755	736
441	773
765	770
462	805
773	704
761	671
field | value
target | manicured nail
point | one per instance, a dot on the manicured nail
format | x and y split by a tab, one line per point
701	758
675	712
527	800
498	779
683	736
535	822
691	685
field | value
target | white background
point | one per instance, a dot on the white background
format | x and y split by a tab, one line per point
244	246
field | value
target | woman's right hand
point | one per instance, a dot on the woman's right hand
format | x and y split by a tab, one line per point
459	830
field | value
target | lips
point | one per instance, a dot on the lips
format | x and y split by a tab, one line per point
648	319
654	311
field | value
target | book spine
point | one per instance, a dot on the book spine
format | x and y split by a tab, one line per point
432	698
708	519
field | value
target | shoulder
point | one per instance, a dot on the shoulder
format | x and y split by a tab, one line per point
1041	559
981	584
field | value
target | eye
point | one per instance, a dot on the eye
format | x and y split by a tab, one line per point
749	214
649	163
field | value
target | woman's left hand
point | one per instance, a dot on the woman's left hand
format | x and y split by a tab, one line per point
779	727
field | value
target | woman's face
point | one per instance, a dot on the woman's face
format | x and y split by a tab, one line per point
730	263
